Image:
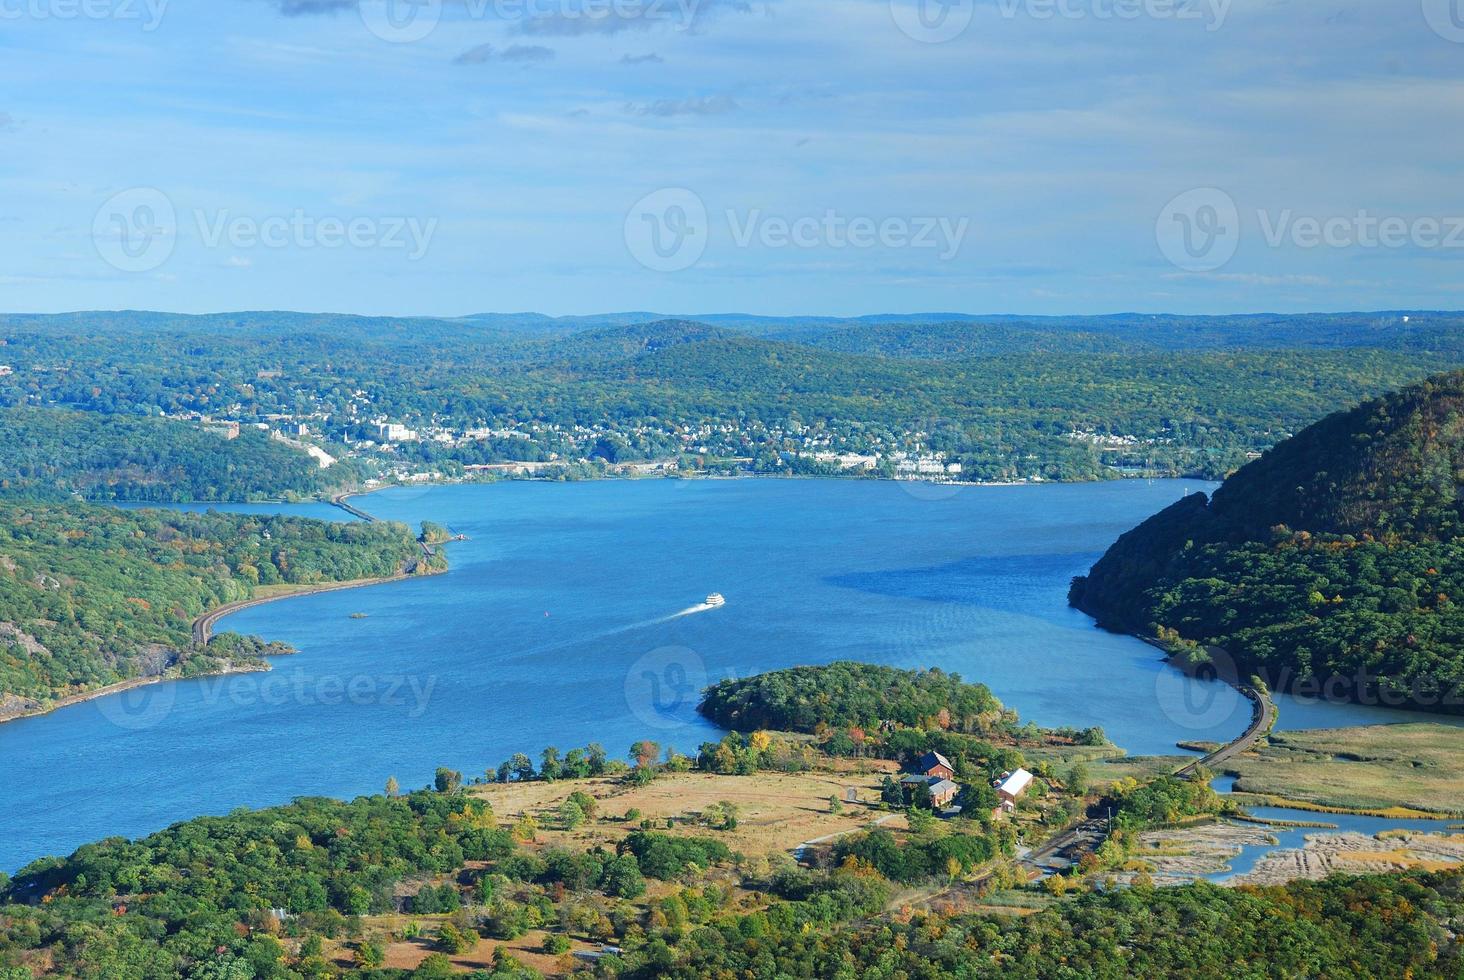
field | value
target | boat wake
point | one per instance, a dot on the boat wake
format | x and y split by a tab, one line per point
630	628
689	611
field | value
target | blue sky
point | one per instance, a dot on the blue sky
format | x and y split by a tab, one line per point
795	156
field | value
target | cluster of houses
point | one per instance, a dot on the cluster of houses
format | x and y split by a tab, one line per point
935	773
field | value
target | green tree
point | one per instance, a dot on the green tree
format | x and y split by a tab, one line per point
550	766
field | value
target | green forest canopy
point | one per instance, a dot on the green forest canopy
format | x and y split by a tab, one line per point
1335	562
846	694
94	595
54	453
139	910
1003	398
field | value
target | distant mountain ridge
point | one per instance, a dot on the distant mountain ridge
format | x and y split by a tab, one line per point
1005	399
886	334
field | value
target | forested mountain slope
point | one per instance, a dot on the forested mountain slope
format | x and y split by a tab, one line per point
90	596
54	453
1337	557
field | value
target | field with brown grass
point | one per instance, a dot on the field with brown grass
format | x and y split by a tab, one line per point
1416	766
776	811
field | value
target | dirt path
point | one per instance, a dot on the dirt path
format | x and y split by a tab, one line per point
844	833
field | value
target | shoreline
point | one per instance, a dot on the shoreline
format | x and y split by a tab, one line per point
71	700
1245	798
203	625
1264	713
446	481
202	629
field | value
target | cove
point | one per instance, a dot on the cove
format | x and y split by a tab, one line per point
570	616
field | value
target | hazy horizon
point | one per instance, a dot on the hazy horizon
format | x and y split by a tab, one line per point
917	316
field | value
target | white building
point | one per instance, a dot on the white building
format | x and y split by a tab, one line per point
394	432
1011	786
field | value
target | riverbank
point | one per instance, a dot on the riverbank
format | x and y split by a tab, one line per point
203	625
1354	853
202	633
1390	812
914	485
122	686
1180	855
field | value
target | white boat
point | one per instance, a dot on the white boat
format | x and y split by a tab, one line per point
715	600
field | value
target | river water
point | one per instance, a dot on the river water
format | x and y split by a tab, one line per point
570	616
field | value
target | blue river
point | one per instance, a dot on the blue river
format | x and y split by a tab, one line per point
572	614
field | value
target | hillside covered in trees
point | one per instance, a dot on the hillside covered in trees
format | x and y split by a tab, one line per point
1071	398
90	596
54	453
845	694
1333	563
309	890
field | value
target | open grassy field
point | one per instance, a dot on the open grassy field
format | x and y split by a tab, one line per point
776	811
1140	767
1419	767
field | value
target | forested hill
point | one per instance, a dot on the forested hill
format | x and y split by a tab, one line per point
1337	555
1003	398
55	453
90	596
844	694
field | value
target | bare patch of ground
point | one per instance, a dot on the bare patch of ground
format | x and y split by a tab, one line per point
1353	853
1177	856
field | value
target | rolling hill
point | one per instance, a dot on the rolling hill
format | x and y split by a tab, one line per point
1334	562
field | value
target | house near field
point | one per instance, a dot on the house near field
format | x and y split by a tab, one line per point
935	764
943	792
1010	787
